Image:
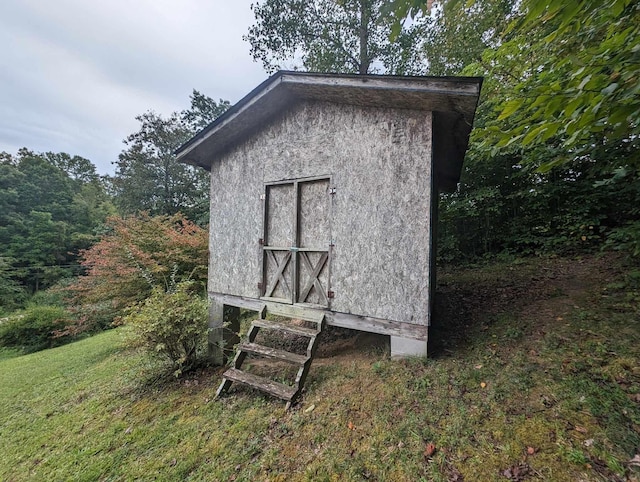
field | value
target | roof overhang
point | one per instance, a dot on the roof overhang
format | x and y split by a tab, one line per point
452	99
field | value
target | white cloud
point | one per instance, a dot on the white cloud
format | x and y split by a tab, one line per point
75	73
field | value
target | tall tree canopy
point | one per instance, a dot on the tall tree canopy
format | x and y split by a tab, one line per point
50	206
571	68
458	35
148	177
347	36
580	79
553	162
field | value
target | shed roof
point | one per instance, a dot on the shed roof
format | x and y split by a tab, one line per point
452	99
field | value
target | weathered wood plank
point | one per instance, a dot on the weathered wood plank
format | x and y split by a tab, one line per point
275	353
296	330
224	386
294	311
344	320
253	304
276	389
375	325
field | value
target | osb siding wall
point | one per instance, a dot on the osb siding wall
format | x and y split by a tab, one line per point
379	160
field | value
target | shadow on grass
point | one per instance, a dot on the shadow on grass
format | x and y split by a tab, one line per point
469	300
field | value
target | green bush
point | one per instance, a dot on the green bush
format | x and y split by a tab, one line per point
625	238
171	325
52	296
34	328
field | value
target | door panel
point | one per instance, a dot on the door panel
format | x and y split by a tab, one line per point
280	215
296	251
279	275
314	214
313	277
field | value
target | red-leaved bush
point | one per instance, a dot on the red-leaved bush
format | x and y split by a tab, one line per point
135	255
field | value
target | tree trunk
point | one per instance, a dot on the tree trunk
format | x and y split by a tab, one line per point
364	38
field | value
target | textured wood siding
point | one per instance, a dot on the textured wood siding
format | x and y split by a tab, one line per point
235	257
380	163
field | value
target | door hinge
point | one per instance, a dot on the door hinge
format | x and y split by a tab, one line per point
332	190
331	294
261	242
263	197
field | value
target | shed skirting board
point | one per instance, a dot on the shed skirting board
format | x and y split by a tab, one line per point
393	328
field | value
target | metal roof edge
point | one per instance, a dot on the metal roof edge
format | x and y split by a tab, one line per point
231	113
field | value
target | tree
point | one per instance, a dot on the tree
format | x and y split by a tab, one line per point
47	215
148	177
11	293
457	35
553	162
348	36
570	81
203	111
582	77
135	255
76	167
573	68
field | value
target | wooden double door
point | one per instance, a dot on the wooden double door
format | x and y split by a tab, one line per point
296	247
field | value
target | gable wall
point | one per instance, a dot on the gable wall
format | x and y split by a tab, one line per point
380	163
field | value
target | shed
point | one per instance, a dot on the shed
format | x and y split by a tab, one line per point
324	194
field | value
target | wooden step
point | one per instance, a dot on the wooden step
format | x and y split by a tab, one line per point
276	353
280	390
296	330
271	387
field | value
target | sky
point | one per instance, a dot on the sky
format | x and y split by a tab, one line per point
74	74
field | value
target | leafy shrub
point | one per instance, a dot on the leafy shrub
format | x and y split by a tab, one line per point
171	325
35	328
53	296
135	255
625	238
12	295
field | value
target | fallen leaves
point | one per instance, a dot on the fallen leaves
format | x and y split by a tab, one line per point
453	475
517	472
483	385
351	426
531	450
429	450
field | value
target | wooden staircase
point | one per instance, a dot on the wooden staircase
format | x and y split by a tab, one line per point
276	389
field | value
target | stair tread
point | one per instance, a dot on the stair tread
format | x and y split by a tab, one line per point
297	330
271	387
274	353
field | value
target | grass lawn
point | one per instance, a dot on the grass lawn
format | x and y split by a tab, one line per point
534	375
